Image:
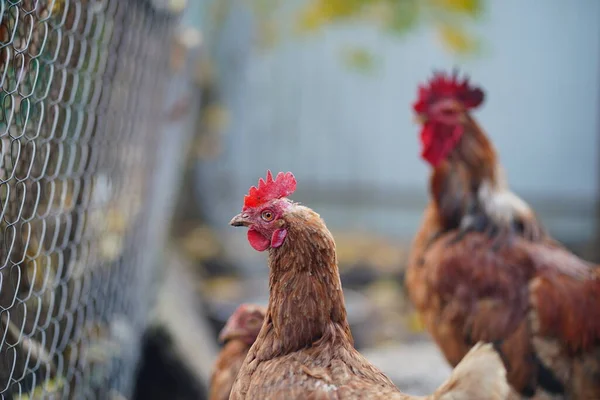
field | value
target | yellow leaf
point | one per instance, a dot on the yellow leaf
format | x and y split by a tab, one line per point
338	8
311	19
469	7
457	39
320	12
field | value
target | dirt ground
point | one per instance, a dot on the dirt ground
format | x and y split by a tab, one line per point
417	368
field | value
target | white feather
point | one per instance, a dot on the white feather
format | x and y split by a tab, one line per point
501	204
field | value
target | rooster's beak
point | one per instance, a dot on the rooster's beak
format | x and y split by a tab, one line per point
240	220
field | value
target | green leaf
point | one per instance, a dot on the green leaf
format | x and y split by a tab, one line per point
405	16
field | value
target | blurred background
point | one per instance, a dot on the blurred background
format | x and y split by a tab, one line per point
322	88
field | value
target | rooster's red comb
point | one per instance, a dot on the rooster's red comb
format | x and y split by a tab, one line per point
283	185
443	85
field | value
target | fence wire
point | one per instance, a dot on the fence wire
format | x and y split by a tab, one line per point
81	88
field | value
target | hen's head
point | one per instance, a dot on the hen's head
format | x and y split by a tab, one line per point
441	107
244	324
263	211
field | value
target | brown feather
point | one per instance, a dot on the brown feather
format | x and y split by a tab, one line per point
239	333
305	348
531	297
226	368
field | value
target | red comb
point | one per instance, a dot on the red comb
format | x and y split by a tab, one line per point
283	185
443	85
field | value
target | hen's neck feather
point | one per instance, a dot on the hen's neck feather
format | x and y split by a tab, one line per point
306	302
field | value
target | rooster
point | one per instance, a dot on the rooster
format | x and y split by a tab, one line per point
305	348
239	334
482	267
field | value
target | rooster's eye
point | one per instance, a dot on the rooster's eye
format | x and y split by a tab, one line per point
267	216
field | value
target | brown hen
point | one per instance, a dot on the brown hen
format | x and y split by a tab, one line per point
305	348
238	334
482	268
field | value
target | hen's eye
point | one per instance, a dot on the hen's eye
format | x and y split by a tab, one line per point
267	216
448	112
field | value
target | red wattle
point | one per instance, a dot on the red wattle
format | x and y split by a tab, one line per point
438	141
258	241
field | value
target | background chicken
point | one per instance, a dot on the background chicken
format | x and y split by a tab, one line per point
483	268
239	334
305	347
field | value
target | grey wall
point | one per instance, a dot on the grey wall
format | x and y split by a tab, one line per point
300	108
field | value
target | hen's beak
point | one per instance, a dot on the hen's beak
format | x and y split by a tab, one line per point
420	119
240	220
229	331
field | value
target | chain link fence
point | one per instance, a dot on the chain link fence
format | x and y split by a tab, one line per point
81	96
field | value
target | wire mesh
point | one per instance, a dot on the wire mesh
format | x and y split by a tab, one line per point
81	94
